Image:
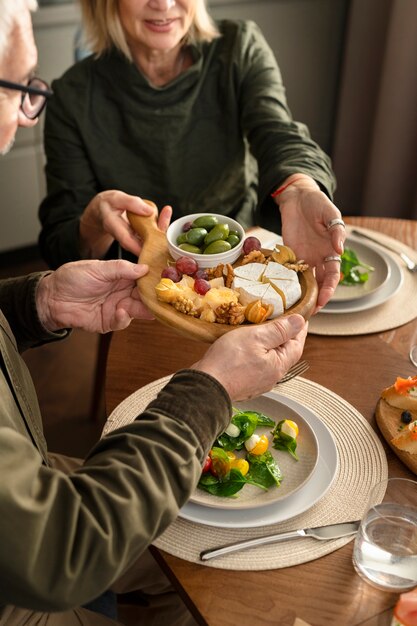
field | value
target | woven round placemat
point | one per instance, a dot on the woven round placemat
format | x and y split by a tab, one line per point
362	463
399	310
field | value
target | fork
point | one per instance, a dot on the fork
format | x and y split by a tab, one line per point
295	370
409	263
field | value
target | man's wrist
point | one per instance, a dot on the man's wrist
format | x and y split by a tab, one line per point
42	299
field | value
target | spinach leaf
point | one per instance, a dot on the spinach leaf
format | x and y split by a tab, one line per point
247	423
349	269
281	441
264	470
223	487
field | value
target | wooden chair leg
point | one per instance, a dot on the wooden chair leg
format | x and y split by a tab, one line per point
97	398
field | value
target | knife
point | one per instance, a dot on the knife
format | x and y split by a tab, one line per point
410	264
332	531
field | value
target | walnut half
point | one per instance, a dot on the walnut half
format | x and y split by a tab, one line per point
230	313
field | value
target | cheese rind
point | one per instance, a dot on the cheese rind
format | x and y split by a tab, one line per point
249	291
250	271
278	271
289	290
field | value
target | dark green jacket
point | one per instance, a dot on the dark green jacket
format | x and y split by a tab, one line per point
65	538
184	144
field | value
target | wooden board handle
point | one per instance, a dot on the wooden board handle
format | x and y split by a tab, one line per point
145	225
153	239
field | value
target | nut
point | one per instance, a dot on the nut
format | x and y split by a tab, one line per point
256	256
230	313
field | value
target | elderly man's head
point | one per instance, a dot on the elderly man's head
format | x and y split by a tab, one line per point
18	58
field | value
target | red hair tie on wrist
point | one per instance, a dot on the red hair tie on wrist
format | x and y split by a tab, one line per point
283	187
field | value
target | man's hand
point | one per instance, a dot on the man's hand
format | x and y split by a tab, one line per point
250	361
97	296
104	220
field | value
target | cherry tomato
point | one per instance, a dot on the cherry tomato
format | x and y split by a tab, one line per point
261	446
207	465
242	465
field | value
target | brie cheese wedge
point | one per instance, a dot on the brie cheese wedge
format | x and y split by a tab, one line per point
289	290
250	291
276	270
250	271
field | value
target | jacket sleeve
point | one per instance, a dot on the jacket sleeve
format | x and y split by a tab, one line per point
17	303
280	145
64	539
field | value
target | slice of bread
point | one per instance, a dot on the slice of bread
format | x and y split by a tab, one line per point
395	432
407	439
402	394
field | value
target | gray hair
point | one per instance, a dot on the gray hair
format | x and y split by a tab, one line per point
8	11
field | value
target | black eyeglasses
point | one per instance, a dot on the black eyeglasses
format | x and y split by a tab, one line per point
34	96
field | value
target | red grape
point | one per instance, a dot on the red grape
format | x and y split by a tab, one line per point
201	286
171	272
186	265
187	226
251	243
201	274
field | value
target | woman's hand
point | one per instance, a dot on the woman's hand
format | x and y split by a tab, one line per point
306	212
104	220
97	296
250	361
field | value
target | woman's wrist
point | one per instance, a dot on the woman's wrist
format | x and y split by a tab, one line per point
93	241
292	185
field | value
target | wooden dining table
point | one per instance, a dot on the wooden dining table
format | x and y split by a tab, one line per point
323	592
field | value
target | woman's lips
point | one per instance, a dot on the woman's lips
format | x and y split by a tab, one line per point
160	26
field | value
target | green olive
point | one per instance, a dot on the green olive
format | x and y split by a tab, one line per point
205	221
195	236
220	231
190	248
181	238
217	246
233	240
235	232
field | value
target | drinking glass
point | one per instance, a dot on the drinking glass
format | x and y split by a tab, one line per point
385	550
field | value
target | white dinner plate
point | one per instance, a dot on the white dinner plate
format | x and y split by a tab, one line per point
295	473
371	256
387	291
296	503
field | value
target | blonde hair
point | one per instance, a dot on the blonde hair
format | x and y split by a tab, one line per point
103	29
8	12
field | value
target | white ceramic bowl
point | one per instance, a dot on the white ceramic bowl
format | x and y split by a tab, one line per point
204	260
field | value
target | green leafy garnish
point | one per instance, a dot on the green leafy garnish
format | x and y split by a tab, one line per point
264	470
247	422
350	272
227	487
282	441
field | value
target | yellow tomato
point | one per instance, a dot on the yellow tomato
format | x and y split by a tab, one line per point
242	465
231	455
290	428
261	446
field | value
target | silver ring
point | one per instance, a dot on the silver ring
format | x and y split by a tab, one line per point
332	257
336	222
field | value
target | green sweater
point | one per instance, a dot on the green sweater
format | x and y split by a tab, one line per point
65	538
185	144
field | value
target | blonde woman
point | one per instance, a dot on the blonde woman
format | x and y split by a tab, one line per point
192	114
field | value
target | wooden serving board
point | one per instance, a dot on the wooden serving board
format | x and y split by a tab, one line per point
155	254
388	419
